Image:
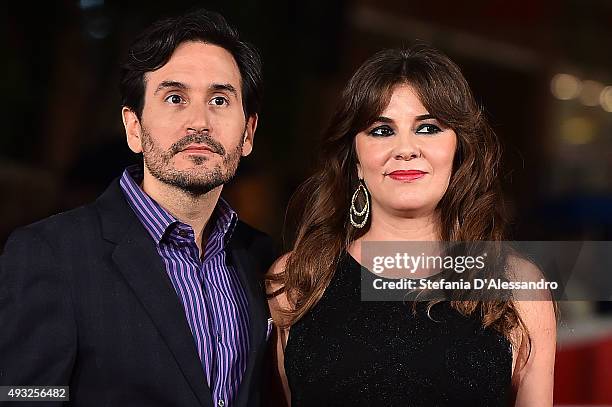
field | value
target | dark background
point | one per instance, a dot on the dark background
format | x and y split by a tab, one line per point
62	140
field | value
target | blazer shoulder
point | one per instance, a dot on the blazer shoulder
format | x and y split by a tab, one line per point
250	235
70	219
56	227
84	222
258	243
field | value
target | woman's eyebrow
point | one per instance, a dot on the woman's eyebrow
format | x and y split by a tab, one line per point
383	119
421	117
425	117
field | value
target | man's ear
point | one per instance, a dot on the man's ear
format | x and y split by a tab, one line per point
133	130
249	135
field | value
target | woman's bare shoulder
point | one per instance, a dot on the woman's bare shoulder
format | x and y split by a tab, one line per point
534	365
520	268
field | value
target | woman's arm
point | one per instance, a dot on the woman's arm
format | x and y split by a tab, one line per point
533	375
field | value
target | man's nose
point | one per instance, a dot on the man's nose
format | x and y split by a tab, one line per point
199	119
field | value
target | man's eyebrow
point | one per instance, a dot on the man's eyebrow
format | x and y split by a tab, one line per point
216	87
170	84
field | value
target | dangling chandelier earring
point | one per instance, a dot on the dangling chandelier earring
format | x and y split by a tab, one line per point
365	211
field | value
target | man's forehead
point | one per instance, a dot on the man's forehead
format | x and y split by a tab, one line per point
197	65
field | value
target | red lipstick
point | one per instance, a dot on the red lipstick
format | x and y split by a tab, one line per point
407	175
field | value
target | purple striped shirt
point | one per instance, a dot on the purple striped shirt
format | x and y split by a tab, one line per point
209	289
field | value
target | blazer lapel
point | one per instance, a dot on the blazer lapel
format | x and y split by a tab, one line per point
249	277
137	258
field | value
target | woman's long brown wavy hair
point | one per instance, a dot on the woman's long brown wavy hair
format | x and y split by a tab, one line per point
470	210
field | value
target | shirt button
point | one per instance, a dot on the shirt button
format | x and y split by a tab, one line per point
221	403
182	233
219	339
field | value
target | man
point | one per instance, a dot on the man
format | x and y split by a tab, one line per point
152	295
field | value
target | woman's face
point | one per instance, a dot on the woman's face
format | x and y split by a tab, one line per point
406	157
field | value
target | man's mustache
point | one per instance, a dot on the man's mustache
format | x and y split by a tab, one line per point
197	138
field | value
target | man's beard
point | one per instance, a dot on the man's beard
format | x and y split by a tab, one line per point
195	181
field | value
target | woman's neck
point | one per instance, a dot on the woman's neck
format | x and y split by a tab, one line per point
387	227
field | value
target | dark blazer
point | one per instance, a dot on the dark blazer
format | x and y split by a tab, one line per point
85	301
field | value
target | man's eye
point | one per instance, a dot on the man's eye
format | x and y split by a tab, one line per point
218	101
428	129
382	131
174	99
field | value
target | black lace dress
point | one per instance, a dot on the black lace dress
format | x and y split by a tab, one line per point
346	352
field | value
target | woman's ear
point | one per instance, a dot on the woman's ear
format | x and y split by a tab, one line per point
133	130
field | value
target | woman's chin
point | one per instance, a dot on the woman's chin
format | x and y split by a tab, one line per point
412	210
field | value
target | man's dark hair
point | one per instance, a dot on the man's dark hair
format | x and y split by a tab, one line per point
154	47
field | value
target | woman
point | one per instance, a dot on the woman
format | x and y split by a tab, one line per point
408	156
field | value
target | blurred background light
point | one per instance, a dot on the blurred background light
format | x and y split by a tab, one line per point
87	4
590	93
605	99
99	27
565	86
577	131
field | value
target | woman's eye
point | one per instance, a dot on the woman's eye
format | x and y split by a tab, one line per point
382	131
428	129
219	101
174	99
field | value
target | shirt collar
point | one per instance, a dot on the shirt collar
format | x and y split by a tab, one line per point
157	221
